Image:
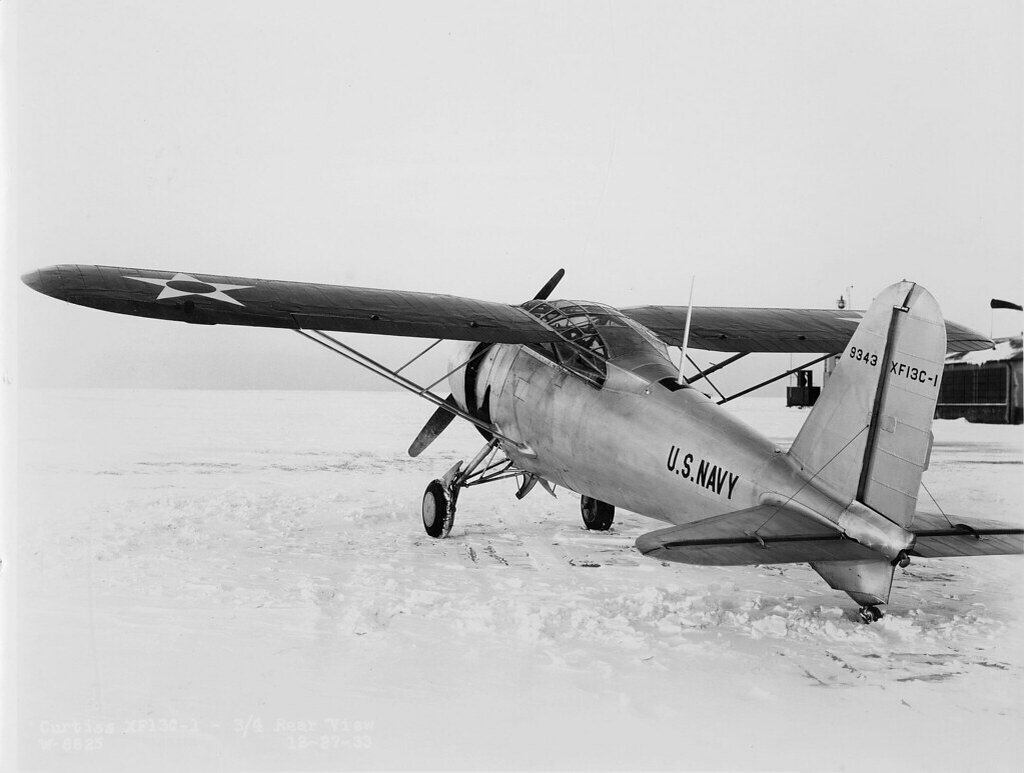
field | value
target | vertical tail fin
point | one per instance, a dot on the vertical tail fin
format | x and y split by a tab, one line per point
868	437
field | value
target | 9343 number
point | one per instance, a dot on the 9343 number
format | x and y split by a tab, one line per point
862	356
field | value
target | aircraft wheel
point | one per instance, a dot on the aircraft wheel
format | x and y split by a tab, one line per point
870	613
597	515
438	510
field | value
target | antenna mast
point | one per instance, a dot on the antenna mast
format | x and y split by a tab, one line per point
686	333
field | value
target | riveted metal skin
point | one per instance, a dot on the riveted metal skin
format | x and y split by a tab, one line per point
669	454
634	441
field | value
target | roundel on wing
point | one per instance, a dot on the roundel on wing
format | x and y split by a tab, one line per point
192	288
183	284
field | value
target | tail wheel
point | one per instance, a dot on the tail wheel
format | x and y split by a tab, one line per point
438	510
870	613
597	515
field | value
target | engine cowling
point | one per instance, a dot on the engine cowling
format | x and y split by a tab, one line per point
480	373
460	352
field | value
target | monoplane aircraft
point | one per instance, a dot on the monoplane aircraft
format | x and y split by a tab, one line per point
586	396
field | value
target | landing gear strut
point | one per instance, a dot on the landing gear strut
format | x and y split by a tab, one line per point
441	494
870	613
597	515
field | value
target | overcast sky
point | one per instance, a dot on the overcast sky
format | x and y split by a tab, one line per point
780	151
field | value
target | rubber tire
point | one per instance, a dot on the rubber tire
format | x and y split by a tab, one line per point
597	515
871	614
438	510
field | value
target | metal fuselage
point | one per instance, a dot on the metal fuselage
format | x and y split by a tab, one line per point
635	440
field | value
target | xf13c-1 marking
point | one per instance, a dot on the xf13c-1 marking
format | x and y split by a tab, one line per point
708	475
914	374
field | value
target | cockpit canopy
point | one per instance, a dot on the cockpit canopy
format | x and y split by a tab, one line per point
592	335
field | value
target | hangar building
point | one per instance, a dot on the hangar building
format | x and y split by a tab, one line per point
985	386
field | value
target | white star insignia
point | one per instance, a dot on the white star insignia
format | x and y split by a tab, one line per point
183	284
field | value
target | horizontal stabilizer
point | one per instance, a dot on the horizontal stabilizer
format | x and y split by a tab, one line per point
759	535
936	538
770	535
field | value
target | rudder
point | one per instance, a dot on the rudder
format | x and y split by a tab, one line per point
868	437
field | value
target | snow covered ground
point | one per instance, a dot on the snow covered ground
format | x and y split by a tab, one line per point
240	580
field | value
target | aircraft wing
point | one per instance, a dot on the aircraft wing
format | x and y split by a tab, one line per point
206	299
724	329
770	535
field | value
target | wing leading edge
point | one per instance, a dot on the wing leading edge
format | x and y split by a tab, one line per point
205	299
725	329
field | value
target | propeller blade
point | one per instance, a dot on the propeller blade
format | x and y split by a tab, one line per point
435	425
545	291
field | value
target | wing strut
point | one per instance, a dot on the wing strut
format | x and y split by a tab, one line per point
410	362
776	378
704	376
343	350
708	371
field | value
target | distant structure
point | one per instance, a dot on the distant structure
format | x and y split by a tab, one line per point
984	387
804	394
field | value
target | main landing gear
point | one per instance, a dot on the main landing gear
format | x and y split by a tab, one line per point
441	494
438	509
597	515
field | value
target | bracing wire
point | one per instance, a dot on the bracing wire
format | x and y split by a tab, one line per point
937	505
808	481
